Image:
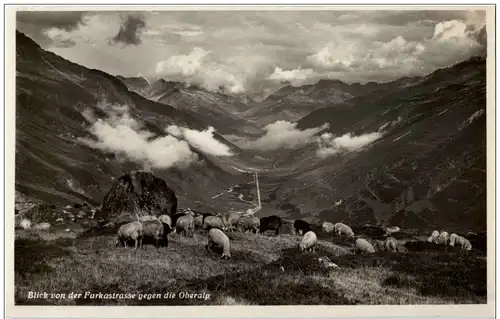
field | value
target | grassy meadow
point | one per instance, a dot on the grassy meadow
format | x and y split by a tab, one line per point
263	270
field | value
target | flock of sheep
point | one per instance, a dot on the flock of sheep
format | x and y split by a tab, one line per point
184	223
444	238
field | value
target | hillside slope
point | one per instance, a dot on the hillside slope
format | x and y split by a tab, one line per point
221	111
57	104
426	167
292	103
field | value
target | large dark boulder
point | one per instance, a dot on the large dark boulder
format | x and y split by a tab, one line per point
138	194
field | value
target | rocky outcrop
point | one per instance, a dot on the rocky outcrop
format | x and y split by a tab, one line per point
137	194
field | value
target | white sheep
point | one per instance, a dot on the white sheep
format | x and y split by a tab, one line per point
391	244
185	225
364	246
230	220
442	239
198	221
250	223
217	238
165	219
343	229
328	227
213	222
132	230
25	223
308	241
433	237
392	230
460	241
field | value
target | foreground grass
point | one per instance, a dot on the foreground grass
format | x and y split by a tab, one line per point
264	270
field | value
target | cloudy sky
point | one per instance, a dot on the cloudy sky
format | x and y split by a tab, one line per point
254	51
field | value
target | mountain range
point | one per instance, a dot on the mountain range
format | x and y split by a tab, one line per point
410	152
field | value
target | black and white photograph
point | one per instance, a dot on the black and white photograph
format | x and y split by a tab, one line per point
252	157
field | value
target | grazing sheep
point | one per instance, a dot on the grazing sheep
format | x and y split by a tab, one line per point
363	246
391	244
433	237
343	229
249	223
442	239
154	229
175	217
301	227
391	230
25	223
165	219
205	215
132	230
460	241
42	226
308	241
213	222
272	222
453	238
328	227
378	245
198	222
217	238
185	225
230	220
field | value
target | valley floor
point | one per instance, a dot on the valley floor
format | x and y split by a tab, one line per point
264	270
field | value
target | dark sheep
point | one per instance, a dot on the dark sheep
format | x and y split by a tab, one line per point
154	230
272	222
301	227
478	241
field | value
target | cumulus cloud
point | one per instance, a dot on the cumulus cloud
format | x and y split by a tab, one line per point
183	65
59	38
451	42
124	136
130	31
198	68
296	77
174	130
329	145
257	52
281	134
204	141
47	27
